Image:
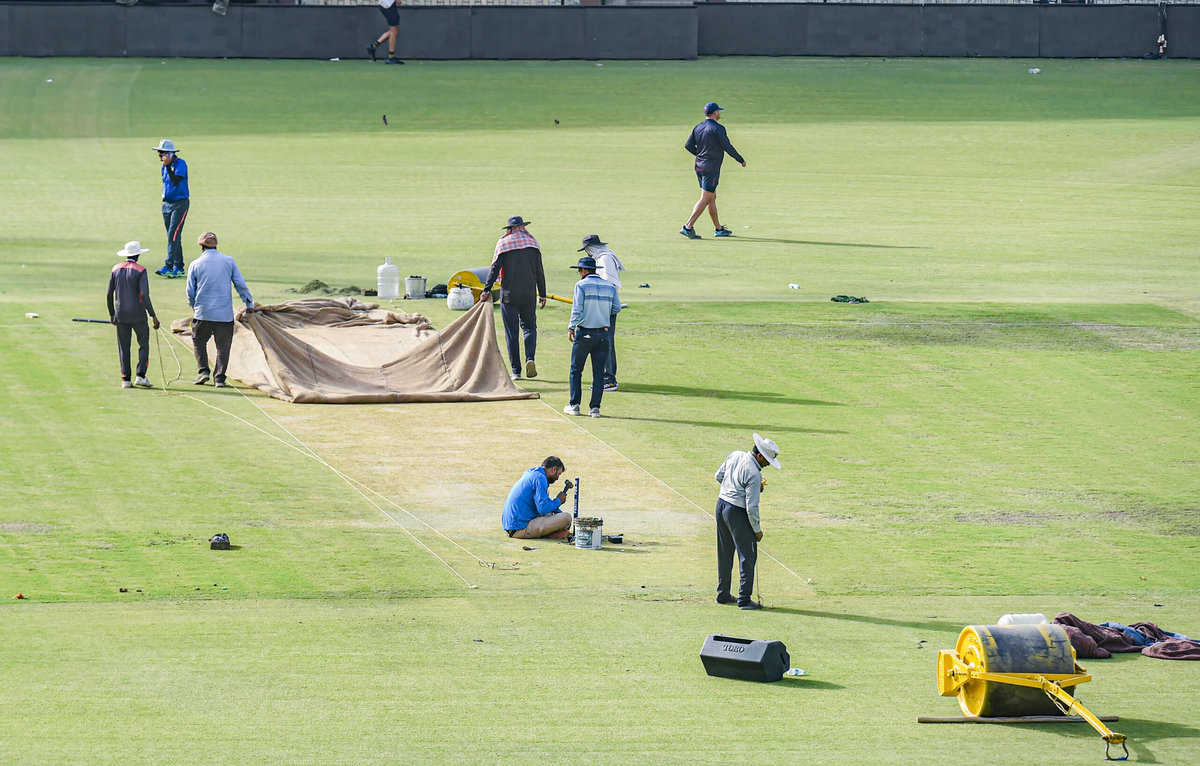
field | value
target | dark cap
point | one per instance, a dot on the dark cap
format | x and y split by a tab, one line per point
516	220
591	239
586	262
711	107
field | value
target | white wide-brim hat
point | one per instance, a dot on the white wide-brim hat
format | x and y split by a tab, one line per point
166	145
768	449
132	248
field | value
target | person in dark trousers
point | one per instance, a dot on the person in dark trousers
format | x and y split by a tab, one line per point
608	268
517	263
710	144
595	302
208	280
175	202
738	528
128	304
388	9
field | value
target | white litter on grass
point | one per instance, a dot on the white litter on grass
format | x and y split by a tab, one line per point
31	315
793	285
1035	70
335	59
745	227
51	79
796	672
599	65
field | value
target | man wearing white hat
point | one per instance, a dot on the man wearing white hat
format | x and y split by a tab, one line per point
175	203
738	528
128	304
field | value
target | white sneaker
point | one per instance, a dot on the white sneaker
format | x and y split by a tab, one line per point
594	412
571	409
143	382
516	376
127	384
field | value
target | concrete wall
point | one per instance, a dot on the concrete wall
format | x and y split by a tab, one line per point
1095	31
613	32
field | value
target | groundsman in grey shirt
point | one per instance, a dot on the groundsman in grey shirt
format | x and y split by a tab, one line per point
738	526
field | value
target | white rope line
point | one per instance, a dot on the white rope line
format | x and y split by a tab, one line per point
644	470
349	482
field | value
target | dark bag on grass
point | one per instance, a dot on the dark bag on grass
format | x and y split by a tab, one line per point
219	542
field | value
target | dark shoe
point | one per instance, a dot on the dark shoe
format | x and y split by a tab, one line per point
725	598
201	379
689	232
371	50
610	386
220	384
750	605
393	61
722	232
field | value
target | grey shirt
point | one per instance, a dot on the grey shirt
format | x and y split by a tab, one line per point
740	477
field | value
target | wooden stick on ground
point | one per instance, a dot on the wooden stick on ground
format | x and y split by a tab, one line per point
1011	719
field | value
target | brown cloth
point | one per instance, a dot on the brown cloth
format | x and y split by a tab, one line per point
1107	639
1085	645
1173	649
344	351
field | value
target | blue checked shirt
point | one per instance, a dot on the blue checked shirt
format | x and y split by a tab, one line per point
595	301
208	280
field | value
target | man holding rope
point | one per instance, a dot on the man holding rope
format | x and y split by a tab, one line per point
128	304
738	528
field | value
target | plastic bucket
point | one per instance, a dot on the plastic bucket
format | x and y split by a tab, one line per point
414	287
589	533
459	298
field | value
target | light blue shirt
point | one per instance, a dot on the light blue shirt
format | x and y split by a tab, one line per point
595	301
208	279
528	499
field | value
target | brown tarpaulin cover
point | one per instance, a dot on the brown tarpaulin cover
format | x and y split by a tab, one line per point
344	351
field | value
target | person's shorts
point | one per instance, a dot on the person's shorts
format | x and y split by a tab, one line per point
391	14
708	180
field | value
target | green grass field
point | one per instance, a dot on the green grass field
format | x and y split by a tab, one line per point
1009	426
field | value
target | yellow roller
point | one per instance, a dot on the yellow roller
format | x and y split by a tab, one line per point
474	279
1016	670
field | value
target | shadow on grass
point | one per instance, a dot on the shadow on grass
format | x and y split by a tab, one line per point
807	683
739	426
923	624
744	238
1140	731
718	393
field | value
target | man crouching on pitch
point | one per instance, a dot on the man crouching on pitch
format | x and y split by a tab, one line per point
530	512
740	477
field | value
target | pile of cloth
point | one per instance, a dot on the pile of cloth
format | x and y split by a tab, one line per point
1101	641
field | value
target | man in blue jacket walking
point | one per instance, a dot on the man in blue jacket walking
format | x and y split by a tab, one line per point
175	202
710	144
529	511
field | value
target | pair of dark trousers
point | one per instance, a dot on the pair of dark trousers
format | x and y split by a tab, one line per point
174	214
735	533
222	334
591	342
610	366
124	336
519	317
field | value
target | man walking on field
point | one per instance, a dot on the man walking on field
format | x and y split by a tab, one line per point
388	9
710	144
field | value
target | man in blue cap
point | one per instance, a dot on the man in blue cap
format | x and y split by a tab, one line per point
709	143
595	302
175	204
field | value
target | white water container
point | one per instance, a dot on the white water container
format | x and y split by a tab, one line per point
414	287
389	279
1034	618
459	298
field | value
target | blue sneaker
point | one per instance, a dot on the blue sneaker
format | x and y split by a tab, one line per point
722	232
689	232
178	273
163	272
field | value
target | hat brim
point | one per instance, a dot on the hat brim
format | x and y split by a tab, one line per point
126	254
763	450
585	247
514	225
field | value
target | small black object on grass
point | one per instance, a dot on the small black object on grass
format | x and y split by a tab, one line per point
385	120
219	542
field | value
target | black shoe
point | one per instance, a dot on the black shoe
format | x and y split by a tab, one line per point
725	598
393	61
750	605
371	50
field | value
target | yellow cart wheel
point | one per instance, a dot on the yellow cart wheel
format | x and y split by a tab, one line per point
1041	649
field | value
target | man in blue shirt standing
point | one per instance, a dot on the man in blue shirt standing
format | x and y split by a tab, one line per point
710	144
595	303
208	279
529	511
174	205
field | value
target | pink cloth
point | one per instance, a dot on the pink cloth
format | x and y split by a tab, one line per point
516	239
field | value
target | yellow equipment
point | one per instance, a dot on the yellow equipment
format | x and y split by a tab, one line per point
1017	670
474	279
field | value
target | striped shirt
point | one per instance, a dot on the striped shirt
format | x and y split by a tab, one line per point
595	301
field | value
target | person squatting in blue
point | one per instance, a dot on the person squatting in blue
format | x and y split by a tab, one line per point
529	511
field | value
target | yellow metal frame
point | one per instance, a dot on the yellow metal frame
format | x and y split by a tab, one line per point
954	674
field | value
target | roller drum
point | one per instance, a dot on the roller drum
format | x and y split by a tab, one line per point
1036	649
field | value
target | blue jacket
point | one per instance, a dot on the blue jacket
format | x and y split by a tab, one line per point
594	303
710	143
175	189
528	499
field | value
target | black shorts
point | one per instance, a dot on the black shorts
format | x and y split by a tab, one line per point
708	179
391	14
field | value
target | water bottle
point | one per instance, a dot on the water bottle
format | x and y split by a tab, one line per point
1034	618
389	279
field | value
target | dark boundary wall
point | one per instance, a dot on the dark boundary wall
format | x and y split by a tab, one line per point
343	32
1025	31
611	32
